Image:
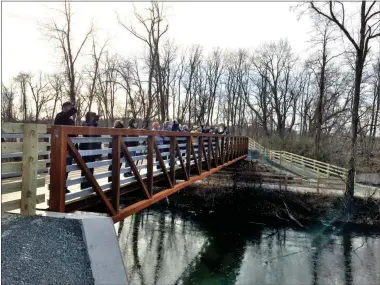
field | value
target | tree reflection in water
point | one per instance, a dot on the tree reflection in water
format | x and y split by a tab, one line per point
162	247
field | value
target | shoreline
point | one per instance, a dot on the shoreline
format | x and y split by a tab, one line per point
227	197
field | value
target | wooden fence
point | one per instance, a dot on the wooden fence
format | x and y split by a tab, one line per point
316	168
22	166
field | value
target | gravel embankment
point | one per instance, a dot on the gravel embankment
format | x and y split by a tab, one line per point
43	250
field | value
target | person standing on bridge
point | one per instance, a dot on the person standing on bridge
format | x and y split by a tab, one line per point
92	120
64	118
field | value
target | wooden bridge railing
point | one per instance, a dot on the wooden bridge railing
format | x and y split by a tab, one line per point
22	150
145	157
319	168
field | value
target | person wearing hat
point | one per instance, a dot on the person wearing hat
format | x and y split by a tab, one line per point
64	118
91	120
185	128
118	124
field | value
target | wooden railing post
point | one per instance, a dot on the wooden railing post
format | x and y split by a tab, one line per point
172	158
58	169
115	184
29	170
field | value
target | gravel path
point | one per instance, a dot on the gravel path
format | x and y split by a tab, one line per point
43	250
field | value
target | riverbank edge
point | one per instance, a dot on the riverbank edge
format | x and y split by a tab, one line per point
226	197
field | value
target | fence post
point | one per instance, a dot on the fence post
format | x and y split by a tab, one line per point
29	170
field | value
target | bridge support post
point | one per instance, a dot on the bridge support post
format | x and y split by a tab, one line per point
200	149
172	158
150	159
115	195
58	169
188	155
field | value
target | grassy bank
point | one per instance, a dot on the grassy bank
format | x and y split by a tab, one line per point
227	195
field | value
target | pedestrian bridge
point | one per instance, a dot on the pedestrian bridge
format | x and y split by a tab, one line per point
34	165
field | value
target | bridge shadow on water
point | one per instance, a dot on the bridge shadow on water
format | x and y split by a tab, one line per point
172	247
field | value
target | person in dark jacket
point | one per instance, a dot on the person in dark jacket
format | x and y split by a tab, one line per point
64	118
118	125
175	126
91	120
132	125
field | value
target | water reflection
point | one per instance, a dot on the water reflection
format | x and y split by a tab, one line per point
165	248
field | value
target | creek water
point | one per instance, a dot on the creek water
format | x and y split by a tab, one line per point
166	247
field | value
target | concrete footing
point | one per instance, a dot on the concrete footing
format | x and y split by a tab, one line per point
102	246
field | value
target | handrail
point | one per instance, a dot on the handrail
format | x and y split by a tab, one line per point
316	166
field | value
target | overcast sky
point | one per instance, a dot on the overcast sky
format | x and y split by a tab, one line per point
225	24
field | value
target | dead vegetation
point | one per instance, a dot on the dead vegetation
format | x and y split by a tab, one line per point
229	195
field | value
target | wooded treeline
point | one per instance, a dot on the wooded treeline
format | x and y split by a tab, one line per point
268	92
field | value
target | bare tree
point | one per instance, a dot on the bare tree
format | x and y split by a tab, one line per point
56	86
40	93
369	29
22	79
152	25
8	113
62	35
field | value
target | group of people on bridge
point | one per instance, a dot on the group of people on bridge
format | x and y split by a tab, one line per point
92	119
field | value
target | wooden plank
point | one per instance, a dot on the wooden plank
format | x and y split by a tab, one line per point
16	204
16	128
11	167
29	170
115	183
150	161
16	186
12	147
90	177
133	168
